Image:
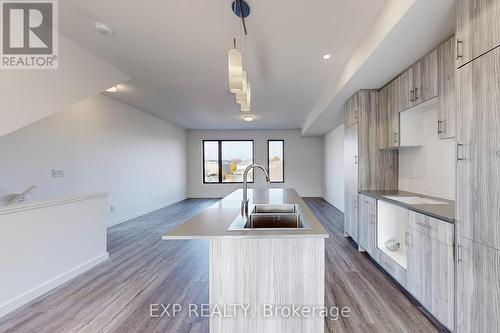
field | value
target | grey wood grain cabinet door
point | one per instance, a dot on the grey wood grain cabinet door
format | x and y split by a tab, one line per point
403	91
351	159
478	153
393	107
384	136
431	269
351	216
352	110
427	86
478	28
351	174
478	287
368	223
447	89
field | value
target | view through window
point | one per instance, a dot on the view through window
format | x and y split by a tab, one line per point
275	160
225	161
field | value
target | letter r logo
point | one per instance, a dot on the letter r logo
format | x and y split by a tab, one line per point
27	27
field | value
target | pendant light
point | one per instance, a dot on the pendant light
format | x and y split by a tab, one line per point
238	81
245	106
241	97
235	64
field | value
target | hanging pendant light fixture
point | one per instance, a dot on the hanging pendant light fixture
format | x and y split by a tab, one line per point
238	81
245	106
241	96
235	65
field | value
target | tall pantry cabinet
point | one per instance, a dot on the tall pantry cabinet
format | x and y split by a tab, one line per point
478	166
365	166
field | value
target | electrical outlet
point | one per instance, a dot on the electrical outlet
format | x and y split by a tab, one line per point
57	173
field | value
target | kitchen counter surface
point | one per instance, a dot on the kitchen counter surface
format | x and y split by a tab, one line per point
445	212
214	221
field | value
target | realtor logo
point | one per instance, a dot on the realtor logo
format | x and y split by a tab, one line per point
29	34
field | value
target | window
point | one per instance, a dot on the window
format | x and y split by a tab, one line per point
275	161
225	161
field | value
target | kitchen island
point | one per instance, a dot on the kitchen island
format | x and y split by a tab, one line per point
271	271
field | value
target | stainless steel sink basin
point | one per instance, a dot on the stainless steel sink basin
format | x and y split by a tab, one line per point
274	221
273	209
271	216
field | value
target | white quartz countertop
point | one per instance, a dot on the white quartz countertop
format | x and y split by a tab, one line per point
214	221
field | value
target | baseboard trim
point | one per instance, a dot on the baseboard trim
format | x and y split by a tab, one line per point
333	203
51	284
119	220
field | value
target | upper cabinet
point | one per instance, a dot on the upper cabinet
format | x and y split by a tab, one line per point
478	28
419	83
352	111
426	84
393	102
404	91
383	120
446	89
430	77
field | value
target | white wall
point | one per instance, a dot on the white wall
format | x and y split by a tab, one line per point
103	146
47	244
27	96
303	161
333	190
429	169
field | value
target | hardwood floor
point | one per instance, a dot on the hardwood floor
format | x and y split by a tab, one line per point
116	295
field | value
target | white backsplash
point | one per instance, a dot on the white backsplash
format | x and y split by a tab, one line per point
429	169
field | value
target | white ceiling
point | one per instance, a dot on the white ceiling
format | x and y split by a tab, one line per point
404	33
176	54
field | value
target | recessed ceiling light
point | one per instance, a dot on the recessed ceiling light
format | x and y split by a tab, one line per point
327	56
248	118
103	29
112	89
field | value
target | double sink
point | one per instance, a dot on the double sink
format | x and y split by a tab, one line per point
271	216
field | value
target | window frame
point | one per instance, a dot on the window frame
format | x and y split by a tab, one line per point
269	162
219	160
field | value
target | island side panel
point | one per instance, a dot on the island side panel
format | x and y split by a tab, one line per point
276	271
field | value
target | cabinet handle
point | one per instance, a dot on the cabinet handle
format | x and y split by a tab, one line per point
458	254
459	151
356	159
395	137
459	49
412	95
439	126
423	225
416	94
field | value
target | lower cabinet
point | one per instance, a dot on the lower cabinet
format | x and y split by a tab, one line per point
393	268
351	216
368	224
478	287
430	271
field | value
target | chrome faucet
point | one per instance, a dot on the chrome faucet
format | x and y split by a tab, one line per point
244	202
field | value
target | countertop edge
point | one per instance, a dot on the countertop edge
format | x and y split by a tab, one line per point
213	222
298	236
414	208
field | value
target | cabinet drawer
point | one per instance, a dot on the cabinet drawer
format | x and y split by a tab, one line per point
393	268
434	228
